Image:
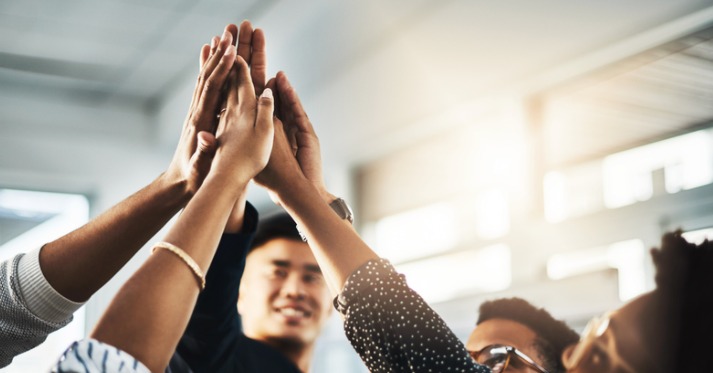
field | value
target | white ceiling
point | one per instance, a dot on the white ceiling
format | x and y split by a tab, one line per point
370	72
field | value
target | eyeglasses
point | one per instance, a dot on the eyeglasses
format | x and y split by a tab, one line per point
498	357
597	349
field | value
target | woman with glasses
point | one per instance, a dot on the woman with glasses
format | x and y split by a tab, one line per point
394	330
666	330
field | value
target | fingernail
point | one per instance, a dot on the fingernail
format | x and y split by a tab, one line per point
229	49
225	35
267	93
213	42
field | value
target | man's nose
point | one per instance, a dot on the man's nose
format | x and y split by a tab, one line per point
293	287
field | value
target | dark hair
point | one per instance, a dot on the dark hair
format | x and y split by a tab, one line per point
553	336
279	225
684	278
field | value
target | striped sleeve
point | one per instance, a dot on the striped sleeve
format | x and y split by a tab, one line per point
92	356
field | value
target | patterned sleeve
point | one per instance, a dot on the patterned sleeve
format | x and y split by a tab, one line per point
29	308
393	329
92	356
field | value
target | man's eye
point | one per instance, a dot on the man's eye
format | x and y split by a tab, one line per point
279	273
311	278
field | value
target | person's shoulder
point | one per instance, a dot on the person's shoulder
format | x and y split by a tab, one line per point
255	356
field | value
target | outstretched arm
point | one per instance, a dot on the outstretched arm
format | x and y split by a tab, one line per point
53	282
251	48
80	263
150	312
389	325
294	178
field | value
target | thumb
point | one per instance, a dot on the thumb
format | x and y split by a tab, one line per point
203	156
265	109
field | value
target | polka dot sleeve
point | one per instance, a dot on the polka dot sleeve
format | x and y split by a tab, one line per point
393	329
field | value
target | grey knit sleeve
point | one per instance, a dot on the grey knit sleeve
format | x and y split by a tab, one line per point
29	308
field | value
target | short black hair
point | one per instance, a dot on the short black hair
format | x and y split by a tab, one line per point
684	274
553	335
279	225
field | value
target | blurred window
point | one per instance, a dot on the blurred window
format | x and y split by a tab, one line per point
627	257
458	274
417	233
669	166
28	220
699	235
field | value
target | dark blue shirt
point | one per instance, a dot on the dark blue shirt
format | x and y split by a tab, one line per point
214	340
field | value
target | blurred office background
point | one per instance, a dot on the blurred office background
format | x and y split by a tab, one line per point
490	149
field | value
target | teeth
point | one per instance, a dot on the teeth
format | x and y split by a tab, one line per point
291	312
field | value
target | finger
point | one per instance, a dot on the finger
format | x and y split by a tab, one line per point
265	109
199	84
210	65
206	143
291	104
233	30
218	49
258	61
211	50
245	37
280	135
203	156
205	53
246	91
291	135
272	85
232	98
211	95
213	45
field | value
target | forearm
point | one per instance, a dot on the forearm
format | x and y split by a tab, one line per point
151	311
215	321
337	247
81	262
237	216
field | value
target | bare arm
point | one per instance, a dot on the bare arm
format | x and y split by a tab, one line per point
295	179
151	311
251	47
389	325
80	263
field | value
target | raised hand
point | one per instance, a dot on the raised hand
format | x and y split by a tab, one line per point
299	138
251	47
192	159
245	131
149	314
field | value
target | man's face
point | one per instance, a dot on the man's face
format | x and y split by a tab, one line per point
509	333
283	296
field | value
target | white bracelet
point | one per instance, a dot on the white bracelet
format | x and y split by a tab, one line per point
185	258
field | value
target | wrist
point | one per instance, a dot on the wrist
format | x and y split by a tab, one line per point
326	196
226	179
296	191
175	189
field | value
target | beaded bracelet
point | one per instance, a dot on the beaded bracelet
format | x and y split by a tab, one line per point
185	258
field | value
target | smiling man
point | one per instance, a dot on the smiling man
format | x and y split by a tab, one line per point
282	303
